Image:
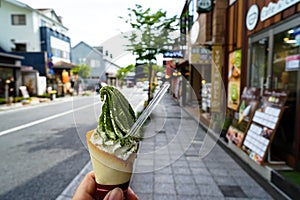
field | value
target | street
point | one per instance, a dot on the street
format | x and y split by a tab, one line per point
43	147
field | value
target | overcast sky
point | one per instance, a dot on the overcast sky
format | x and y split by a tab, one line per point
97	23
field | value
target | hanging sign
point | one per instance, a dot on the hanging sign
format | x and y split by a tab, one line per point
252	17
203	6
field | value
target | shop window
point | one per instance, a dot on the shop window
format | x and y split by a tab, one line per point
259	62
285	61
5	74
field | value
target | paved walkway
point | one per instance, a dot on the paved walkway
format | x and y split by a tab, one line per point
169	166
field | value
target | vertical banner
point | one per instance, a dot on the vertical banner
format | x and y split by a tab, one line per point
234	79
216	79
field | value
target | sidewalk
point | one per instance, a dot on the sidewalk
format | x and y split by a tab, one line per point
168	165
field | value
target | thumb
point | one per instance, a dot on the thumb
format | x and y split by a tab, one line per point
115	194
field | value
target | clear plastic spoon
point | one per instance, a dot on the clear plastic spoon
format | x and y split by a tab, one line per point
153	103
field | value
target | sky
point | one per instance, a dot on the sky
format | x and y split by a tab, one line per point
97	22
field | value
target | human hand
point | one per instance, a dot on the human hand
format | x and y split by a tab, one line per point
87	190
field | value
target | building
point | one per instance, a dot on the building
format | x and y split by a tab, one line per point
268	36
10	66
102	68
243	60
82	53
40	37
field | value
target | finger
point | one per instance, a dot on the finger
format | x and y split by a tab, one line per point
131	195
87	188
115	194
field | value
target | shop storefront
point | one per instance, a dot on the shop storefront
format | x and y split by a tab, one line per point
9	68
273	31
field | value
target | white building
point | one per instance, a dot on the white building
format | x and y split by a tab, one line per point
39	36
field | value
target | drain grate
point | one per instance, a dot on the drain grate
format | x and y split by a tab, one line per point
232	191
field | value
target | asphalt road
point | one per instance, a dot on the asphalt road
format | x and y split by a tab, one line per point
42	148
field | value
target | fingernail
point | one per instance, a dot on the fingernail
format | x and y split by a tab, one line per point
116	194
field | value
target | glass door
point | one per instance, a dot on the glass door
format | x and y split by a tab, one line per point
259	62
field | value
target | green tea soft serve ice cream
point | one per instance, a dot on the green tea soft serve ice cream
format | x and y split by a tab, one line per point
113	154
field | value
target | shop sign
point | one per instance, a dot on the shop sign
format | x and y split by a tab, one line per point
200	55
252	17
274	8
216	83
173	54
292	63
203	6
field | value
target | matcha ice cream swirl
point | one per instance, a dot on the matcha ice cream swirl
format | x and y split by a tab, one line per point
114	123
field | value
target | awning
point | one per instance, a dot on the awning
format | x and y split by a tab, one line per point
10	65
63	65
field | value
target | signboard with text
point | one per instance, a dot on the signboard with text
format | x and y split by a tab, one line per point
216	79
243	115
264	124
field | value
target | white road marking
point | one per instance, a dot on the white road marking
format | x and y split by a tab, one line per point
42	120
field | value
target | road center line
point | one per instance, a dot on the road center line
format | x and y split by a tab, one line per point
43	120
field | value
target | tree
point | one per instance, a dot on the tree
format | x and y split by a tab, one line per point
151	35
122	73
82	70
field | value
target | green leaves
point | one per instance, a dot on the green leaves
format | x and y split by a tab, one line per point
82	70
151	33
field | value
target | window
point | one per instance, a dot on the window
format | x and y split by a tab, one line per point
19	47
285	61
259	62
18	19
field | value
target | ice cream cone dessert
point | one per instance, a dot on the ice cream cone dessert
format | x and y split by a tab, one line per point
112	154
109	169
